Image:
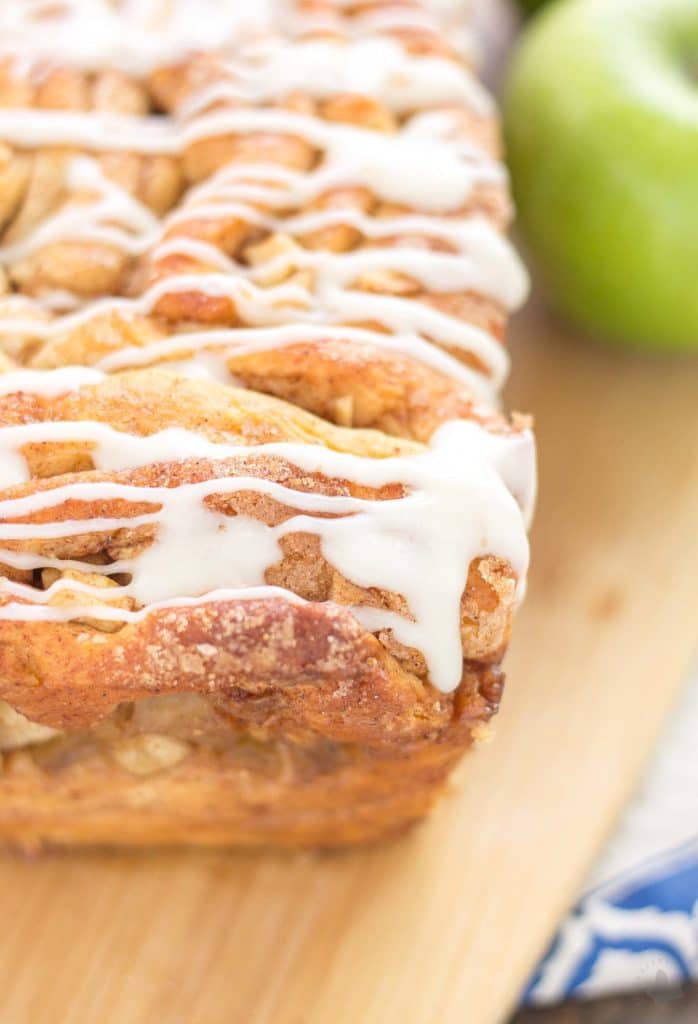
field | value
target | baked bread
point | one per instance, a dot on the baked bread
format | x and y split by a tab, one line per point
262	522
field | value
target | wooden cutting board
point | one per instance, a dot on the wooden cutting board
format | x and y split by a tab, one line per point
442	926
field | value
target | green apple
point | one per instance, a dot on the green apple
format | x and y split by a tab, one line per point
601	118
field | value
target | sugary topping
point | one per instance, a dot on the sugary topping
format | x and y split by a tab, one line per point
190	182
419	545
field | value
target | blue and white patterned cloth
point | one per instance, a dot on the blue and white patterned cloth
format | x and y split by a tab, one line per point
638	931
637	926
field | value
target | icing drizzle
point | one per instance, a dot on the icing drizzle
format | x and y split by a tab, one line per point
468	494
394	545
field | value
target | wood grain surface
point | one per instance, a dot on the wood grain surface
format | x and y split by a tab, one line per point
442	926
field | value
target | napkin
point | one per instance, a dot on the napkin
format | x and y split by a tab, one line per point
636	927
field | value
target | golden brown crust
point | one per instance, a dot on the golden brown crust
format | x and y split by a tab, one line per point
314	659
228	774
226	720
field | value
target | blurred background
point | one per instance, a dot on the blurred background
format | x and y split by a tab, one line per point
601	279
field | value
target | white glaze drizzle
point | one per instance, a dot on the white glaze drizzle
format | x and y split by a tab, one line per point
242	341
483	262
141	36
419	546
110	215
135	36
286	303
375	66
443	172
468	494
441	177
49	383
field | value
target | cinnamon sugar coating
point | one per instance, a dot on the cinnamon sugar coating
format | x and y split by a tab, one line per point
207	237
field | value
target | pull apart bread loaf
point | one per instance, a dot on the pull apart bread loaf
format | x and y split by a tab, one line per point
262	523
